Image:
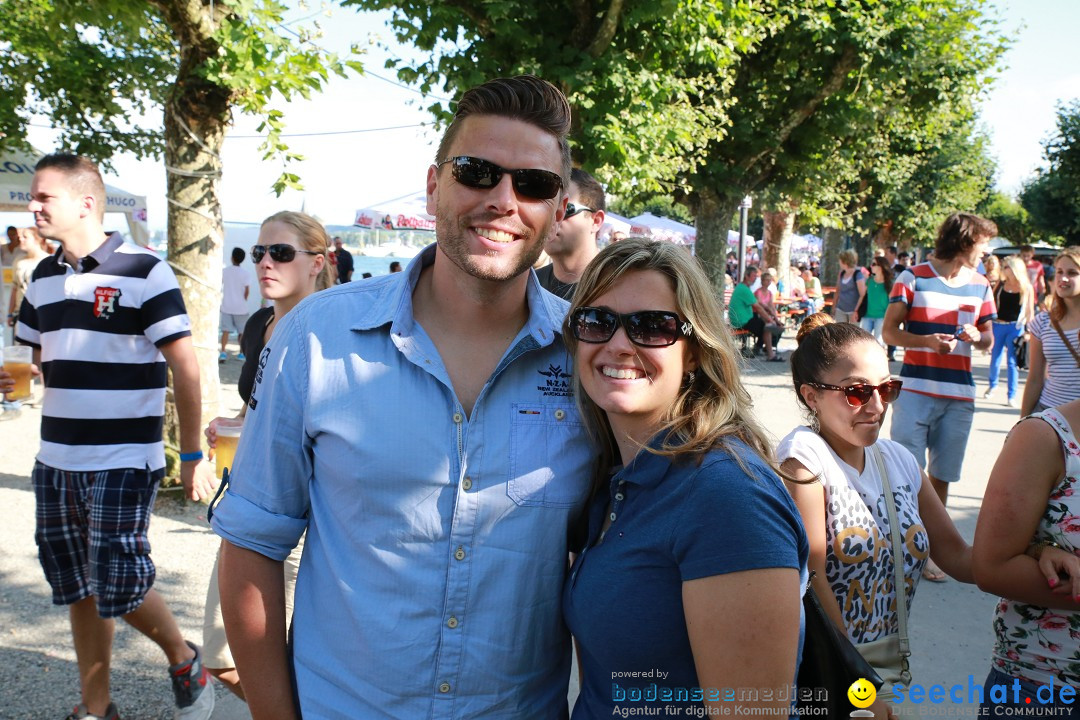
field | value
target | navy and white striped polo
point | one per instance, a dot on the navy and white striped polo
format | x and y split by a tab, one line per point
99	328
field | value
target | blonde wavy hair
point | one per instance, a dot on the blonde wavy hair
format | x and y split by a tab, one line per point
1016	266
1057	305
312	236
714	406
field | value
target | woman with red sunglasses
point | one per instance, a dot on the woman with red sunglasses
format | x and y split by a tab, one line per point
842	379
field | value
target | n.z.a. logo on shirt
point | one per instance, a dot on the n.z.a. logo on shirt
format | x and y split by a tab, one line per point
105	301
557	382
252	402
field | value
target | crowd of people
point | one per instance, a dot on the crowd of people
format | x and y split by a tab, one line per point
446	473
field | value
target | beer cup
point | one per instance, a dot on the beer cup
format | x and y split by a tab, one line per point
17	359
228	435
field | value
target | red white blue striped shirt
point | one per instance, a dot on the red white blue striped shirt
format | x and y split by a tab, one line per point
937	306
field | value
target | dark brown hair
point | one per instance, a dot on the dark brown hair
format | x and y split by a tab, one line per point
82	173
822	342
960	232
886	271
527	98
590	191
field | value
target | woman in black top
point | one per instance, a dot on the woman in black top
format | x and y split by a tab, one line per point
1015	300
291	263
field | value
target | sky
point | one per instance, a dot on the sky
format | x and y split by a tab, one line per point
347	172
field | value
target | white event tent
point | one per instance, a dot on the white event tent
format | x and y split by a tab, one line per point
17	170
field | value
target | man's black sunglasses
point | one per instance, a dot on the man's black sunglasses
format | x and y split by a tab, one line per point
647	328
482	174
572	210
859	395
279	253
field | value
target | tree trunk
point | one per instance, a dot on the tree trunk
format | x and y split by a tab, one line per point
197	115
712	214
832	244
864	248
779	225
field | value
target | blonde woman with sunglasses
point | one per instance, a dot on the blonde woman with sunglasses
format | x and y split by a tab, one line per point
291	262
842	379
694	554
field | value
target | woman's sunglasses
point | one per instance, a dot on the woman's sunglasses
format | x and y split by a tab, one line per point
859	395
572	210
279	253
482	174
647	328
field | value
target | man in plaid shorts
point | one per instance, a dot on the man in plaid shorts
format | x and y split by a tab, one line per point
106	321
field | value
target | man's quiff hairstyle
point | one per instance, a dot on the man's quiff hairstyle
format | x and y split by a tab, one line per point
82	174
590	191
526	98
960	232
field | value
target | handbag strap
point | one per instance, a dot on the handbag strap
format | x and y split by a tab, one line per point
898	565
1061	333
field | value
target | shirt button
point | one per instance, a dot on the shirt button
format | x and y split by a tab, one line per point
459	554
560	414
619	496
444	687
612	517
457	417
452	622
466	484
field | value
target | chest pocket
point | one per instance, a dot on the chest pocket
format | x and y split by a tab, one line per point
550	457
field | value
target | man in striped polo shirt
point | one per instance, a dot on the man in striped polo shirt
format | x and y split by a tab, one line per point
106	321
946	309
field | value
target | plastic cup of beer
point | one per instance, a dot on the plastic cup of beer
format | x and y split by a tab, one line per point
17	359
228	435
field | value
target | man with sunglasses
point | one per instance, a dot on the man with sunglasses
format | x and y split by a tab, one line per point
572	244
946	309
108	320
421	427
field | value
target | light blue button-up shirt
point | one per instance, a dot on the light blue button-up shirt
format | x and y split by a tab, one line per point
437	543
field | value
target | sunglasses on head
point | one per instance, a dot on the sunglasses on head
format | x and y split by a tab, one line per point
860	394
279	253
572	210
482	174
647	328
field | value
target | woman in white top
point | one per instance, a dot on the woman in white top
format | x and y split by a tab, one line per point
1054	344
842	378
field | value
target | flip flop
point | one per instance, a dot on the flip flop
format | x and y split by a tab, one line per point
933	573
776	358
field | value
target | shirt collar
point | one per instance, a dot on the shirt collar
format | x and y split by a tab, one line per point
647	469
393	303
97	257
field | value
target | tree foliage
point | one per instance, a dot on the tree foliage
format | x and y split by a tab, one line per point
98	70
710	101
1052	196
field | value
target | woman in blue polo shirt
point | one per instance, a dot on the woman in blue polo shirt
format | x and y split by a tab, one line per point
690	581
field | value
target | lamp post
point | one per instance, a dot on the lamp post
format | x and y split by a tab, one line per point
744	206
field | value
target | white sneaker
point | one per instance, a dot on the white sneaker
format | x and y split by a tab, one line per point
1011	402
988	394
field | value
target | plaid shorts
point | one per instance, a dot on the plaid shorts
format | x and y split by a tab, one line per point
91	535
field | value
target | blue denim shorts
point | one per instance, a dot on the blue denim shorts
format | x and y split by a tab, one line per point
938	427
91	535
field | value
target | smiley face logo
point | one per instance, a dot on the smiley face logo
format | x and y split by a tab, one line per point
861	693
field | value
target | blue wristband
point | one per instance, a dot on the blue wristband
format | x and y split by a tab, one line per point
188	457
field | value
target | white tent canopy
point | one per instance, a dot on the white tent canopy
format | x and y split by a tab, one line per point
17	170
